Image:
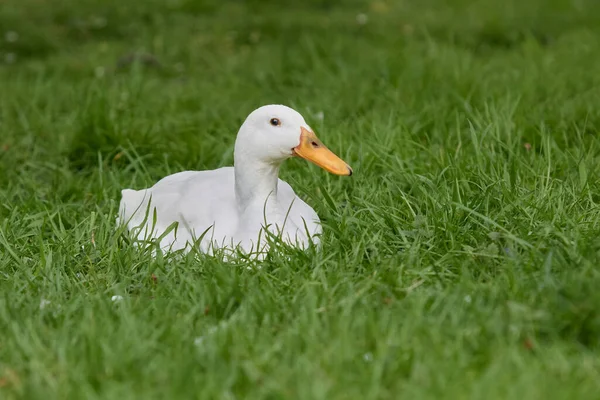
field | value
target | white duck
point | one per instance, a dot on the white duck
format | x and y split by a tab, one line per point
231	206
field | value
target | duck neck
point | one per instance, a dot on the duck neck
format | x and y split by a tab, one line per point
255	182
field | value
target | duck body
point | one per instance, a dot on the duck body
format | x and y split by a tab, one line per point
203	203
234	207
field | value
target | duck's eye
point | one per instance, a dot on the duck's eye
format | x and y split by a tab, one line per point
275	121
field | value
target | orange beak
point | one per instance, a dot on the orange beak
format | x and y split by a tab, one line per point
313	150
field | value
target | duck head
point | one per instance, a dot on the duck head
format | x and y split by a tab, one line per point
274	133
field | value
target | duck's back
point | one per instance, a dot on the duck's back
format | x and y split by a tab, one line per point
196	200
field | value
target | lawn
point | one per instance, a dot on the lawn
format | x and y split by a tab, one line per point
460	261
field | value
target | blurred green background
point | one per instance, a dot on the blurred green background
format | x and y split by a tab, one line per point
201	58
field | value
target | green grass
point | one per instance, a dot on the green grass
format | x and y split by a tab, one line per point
462	259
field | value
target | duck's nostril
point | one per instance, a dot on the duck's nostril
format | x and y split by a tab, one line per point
314	144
